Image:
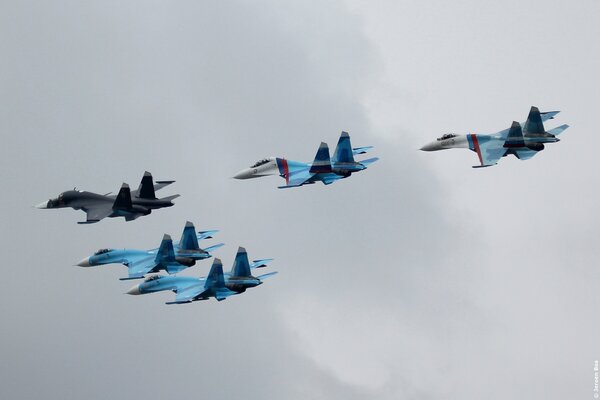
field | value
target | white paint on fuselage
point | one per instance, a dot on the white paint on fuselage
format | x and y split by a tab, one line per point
268	168
456	142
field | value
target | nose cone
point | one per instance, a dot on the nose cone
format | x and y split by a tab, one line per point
84	263
432	146
244	174
42	206
135	290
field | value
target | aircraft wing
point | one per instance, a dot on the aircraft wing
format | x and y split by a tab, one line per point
298	178
96	213
139	267
190	293
489	152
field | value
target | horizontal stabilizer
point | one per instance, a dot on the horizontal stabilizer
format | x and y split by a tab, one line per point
525	154
558	130
213	248
260	263
330	178
169	198
484	166
548	115
206	234
261	277
369	161
361	150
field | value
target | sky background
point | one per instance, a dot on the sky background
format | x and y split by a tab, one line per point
419	278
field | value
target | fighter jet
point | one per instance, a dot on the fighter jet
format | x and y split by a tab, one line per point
216	284
169	257
126	203
523	142
323	168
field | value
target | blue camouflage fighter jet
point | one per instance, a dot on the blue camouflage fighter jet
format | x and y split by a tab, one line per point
324	168
170	257
523	142
217	284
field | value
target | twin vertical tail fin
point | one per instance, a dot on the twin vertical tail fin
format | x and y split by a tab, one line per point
515	136
343	151
322	162
146	188
215	278
123	199
166	253
189	239
241	265
534	124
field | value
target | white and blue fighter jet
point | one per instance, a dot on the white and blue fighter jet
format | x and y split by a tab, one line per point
324	168
217	284
523	142
170	257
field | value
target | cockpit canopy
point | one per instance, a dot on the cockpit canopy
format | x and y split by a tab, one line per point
152	278
447	136
102	251
260	162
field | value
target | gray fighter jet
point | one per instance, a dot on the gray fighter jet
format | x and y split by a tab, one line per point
127	204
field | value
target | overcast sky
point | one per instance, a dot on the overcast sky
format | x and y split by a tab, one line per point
419	278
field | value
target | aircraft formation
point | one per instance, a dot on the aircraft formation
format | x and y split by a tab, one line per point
521	140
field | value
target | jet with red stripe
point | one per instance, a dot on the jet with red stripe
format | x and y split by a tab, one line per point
521	140
324	168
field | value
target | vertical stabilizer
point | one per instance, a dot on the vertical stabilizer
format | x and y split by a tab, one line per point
146	188
322	162
215	278
241	265
343	151
166	253
515	136
534	124
123	199
189	240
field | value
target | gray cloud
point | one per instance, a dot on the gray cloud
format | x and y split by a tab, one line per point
394	283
